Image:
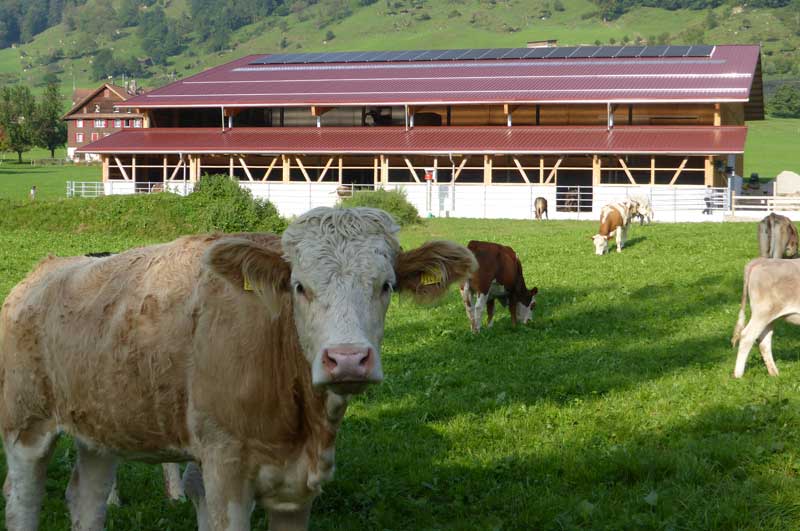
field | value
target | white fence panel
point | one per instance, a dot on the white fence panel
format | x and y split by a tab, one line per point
757	207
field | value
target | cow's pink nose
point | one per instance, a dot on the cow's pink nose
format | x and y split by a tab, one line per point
348	362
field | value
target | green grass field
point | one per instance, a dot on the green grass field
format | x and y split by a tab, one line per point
613	409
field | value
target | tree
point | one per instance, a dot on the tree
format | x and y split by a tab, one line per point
711	20
49	129
17	108
128	13
785	103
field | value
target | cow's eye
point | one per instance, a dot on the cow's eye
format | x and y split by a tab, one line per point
387	287
299	289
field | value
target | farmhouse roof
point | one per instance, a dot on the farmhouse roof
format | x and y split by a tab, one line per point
86	95
428	140
727	73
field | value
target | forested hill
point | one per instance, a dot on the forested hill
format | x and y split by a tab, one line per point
80	42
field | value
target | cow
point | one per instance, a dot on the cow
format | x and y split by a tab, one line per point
614	223
540	205
773	286
777	237
498	277
235	352
641	208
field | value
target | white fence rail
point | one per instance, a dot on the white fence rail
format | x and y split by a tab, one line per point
757	206
515	201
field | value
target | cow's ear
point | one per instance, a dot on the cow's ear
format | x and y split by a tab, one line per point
249	266
427	271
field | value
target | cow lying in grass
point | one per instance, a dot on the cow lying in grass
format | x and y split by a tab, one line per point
777	237
774	290
238	352
498	277
614	222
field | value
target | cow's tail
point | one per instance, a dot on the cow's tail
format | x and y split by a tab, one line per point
737	330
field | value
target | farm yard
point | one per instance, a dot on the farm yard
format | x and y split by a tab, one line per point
614	408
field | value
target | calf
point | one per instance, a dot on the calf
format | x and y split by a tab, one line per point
238	352
774	290
641	208
498	277
614	222
541	208
777	237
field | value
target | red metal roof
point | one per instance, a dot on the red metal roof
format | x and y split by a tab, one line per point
726	75
433	140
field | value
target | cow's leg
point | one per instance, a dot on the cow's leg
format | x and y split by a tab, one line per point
489	313
27	453
480	304
89	487
113	495
195	491
172	481
750	334
290	521
466	296
765	346
229	496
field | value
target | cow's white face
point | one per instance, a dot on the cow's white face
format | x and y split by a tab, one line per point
600	244
340	267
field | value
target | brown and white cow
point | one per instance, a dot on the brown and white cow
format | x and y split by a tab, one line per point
773	286
540	207
238	352
777	237
614	222
498	277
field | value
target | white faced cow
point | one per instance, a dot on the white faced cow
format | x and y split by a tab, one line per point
614	222
237	352
773	286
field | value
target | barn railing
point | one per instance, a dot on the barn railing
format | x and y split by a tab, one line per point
85	189
764	203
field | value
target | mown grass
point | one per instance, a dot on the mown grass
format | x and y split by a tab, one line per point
50	180
613	409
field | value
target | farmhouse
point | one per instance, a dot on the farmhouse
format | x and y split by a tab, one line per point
490	129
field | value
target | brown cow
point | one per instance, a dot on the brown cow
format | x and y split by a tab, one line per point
777	237
238	352
614	222
499	277
540	205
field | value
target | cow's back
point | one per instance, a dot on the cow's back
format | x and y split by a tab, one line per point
101	345
496	263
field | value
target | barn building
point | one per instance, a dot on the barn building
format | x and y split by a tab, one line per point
511	123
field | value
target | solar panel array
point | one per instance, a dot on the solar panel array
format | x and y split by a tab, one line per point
561	52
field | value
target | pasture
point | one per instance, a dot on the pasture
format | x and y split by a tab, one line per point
613	409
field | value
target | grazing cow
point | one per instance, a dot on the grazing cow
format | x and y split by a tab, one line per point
237	352
774	290
777	237
614	222
498	277
641	208
540	205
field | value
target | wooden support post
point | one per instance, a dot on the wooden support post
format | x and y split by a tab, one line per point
341	169
195	174
554	172
460	167
384	169
133	168
325	170
164	169
178	166
375	171
436	168
121	168
230	166
487	169
627	171
270	168
105	168
411	169
678	171
286	168
596	167
709	170
302	169
717	115
652	169
521	171
245	168
541	158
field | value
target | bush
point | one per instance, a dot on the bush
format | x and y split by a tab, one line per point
218	203
392	201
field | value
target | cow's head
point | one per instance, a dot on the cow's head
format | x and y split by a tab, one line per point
526	305
340	268
600	244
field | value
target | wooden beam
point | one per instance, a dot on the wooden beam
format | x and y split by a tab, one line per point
717	115
627	171
286	168
460	167
596	167
178	166
341	169
105	168
319	111
325	170
384	169
487	169
269	168
302	169
164	169
411	168
133	168
709	170
521	170
678	171
541	158
552	173
652	169
375	171
245	168
230	166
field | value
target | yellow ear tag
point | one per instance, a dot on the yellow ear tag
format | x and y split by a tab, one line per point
432	276
247	285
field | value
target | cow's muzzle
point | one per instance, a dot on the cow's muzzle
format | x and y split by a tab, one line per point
348	367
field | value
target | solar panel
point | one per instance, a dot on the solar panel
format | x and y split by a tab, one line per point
677	51
449	55
427	55
584	52
381	57
473	54
537	53
562	52
700	50
630	51
607	51
495	53
397	55
653	51
515	53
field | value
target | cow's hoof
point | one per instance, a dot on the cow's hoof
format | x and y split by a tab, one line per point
738	376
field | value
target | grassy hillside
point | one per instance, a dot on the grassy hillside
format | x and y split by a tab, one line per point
405	24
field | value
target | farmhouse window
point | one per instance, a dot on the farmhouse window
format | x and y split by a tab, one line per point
100	123
137	123
95	136
127	123
117	123
79	137
79	124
